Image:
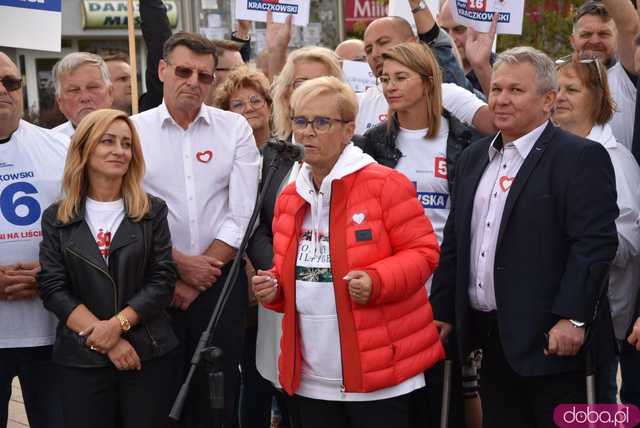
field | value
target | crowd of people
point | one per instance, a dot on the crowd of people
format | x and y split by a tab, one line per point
476	207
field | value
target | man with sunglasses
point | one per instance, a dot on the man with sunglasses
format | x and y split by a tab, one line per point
204	163
606	30
31	164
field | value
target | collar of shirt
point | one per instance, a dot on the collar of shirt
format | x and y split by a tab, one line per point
523	144
165	116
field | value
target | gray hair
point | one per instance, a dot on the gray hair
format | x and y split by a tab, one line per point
545	68
73	61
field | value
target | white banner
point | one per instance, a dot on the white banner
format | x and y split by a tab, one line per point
358	75
31	24
256	10
477	14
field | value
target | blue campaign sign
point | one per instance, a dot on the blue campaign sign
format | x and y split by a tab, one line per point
50	5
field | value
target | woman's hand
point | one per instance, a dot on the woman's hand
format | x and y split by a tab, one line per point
359	286
102	336
265	286
124	357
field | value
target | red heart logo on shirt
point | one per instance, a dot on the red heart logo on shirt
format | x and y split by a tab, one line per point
205	156
505	183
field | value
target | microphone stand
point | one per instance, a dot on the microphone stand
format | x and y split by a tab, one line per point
213	355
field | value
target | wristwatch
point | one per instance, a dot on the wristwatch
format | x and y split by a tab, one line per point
421	6
125	325
577	324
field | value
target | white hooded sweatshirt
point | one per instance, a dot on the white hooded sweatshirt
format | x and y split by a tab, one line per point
315	298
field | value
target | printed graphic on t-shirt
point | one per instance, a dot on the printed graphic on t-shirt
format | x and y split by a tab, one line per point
434	200
20	208
103	239
314	263
440	167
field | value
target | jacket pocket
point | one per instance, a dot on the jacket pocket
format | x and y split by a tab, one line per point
320	345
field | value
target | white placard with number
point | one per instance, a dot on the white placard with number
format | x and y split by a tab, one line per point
31	24
478	14
256	10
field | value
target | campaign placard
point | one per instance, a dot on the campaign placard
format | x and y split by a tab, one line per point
358	75
256	10
31	24
478	14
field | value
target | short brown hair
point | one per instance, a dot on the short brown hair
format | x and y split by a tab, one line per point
226	45
116	56
591	8
192	41
241	78
594	79
419	58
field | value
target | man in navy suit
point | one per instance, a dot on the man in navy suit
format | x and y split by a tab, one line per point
526	249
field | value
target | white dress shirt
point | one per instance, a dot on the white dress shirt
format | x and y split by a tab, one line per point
66	129
207	174
488	206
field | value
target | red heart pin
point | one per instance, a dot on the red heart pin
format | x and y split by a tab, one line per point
205	156
505	183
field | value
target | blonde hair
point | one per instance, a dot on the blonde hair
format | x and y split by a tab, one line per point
241	78
420	59
75	180
281	90
346	99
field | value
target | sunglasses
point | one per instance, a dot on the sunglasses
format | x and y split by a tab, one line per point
11	83
186	73
592	61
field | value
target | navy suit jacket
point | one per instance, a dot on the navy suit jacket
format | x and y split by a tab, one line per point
558	223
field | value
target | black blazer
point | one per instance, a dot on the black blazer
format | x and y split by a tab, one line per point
558	223
140	274
260	249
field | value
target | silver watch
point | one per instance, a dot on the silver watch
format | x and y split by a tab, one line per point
577	324
421	6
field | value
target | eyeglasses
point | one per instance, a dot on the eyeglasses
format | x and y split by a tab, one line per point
320	124
186	72
593	61
239	106
395	81
11	83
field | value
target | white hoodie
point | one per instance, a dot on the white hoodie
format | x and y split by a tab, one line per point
315	299
625	269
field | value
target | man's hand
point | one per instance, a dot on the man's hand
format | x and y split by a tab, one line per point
103	335
183	296
265	286
243	29
634	337
359	286
278	35
199	272
124	357
478	45
565	339
444	329
19	281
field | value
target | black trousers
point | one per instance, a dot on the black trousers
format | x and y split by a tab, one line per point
396	412
229	336
109	398
511	400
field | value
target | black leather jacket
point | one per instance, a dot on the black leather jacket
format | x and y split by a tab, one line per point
140	274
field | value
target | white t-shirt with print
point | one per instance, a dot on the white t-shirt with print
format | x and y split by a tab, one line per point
31	166
373	107
103	219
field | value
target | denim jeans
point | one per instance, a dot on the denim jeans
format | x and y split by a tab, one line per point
38	381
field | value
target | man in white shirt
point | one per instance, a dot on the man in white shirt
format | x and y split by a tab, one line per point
82	85
385	33
31	164
606	30
204	163
526	248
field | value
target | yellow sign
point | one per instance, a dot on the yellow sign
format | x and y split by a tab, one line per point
113	13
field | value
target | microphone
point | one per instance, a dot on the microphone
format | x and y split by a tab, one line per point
287	151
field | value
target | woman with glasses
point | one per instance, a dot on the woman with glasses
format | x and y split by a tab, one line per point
107	274
352	250
423	141
584	107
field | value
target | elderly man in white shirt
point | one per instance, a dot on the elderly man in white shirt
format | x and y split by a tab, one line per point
204	163
82	84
